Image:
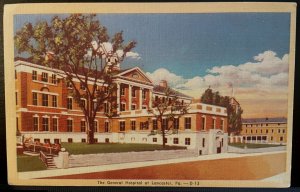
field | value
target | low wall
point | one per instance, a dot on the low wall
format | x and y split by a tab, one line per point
232	149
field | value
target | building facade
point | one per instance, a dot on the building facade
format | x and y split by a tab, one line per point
264	130
47	112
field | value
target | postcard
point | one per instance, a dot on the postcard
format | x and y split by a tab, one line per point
149	94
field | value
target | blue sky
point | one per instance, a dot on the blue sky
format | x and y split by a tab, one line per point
190	44
245	55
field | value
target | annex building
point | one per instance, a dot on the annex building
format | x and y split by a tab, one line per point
264	130
47	113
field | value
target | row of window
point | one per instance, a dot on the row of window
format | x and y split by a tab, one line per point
259	138
260	125
44	77
266	131
45	99
45	124
133	92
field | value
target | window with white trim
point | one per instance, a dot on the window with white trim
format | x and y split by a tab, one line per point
69	103
165	124
82	126
222	124
82	86
123	107
54	101
203	123
69	125
144	94
176	123
213	123
133	125
122	125
133	106
133	92
187	122
54	79
96	126
175	140
34	98
35	123
122	91
54	124
106	126
45	123
44	100
187	141
44	77
154	124
34	75
16	98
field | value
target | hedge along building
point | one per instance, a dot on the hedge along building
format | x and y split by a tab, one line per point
46	112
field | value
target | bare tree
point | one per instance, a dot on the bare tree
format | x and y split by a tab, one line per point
170	108
80	47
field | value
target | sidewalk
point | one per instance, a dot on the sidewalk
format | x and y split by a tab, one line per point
92	169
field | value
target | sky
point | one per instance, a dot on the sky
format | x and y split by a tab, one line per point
246	52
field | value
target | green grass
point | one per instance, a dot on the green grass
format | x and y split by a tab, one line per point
252	145
29	163
84	148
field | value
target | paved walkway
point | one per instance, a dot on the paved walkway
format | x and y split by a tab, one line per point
117	158
102	168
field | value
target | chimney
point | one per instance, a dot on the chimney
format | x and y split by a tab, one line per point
163	83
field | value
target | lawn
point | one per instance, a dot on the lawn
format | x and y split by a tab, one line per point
29	163
252	145
84	148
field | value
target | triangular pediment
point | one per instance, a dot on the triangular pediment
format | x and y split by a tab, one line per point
135	74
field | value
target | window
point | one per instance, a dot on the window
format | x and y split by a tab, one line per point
213	123
56	141
165	124
45	100
187	122
35	123
175	141
122	125
36	140
82	103
143	125
96	126
70	140
54	80
133	93
246	130
154	140
82	126
45	77
278	130
272	130
70	103
187	141
261	131
133	106
166	140
123	107
271	138
176	123
203	123
122	91
251	131
69	125
283	130
95	140
54	124
106	107
154	124
144	106
222	124
106	126
133	125
266	124
106	140
34	99
46	140
34	75
69	85
203	142
156	98
45	124
82	87
83	140
15	74
17	123
281	138
16	98
54	101
144	94
267	131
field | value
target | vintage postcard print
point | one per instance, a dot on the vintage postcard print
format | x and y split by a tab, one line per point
160	94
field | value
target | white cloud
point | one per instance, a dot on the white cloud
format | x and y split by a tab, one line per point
268	73
133	55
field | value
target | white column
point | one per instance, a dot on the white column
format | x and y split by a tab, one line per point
118	97
129	96
141	97
150	98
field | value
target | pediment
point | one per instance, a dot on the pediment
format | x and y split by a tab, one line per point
135	74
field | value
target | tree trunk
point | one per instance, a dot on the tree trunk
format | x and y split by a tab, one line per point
163	134
90	132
